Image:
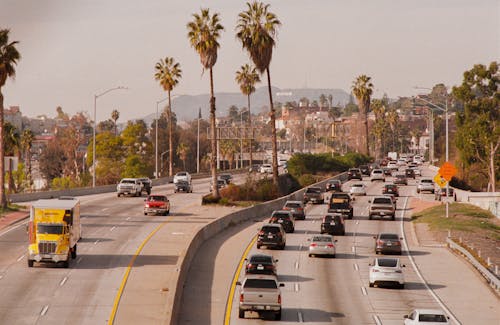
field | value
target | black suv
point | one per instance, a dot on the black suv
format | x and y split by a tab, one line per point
333	224
271	235
284	218
227	177
147	184
354	173
260	264
341	203
410	173
364	170
334	185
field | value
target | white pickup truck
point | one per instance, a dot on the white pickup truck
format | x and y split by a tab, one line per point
260	293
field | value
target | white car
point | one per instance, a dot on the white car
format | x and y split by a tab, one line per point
385	271
182	176
416	171
322	245
427	317
392	165
425	185
377	175
266	169
357	189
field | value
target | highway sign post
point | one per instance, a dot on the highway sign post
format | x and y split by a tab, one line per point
447	171
440	181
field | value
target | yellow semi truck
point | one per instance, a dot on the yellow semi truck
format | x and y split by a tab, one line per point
54	230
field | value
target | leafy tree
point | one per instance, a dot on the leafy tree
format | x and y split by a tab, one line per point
60	114
106	126
323	101
115	115
246	78
362	88
110	158
478	130
256	29
8	59
168	73
350	108
182	152
233	113
52	161
203	34
27	138
228	149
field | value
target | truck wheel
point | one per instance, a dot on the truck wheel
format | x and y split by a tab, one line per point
30	263
393	217
241	314
73	252
277	316
371	285
258	246
118	195
370	217
145	213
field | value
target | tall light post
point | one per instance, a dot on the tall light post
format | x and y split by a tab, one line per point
445	110
156	136
198	144
95	118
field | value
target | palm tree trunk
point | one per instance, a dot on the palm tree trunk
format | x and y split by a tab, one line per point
273	130
170	145
251	132
213	167
3	198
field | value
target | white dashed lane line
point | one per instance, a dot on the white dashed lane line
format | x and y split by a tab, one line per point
363	290
63	281
356	267
297	287
112	228
297	265
21	257
79	260
97	241
377	320
299	315
44	310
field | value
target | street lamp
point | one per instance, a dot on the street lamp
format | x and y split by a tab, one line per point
156	136
95	118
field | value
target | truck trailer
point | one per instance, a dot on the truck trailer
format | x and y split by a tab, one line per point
53	230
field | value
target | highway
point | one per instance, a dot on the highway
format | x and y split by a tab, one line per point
318	290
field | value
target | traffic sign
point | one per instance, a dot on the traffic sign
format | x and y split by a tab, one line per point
447	171
440	181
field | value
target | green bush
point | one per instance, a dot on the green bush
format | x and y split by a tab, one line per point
325	163
306	180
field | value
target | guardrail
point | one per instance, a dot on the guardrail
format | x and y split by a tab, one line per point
492	279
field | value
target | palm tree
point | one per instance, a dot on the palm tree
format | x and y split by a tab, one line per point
362	88
246	78
8	59
393	119
203	33
182	151
115	115
168	73
256	29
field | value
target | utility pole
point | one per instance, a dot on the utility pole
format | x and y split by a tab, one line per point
198	144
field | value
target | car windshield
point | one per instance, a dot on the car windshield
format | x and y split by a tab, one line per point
428	181
432	318
157	198
281	215
382	200
128	181
329	218
49	229
357	185
389	236
181	174
321	239
260	283
387	262
261	259
313	190
271	230
292	205
390	187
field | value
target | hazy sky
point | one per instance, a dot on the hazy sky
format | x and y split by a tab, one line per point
72	50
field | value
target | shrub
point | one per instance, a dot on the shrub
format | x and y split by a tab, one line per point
306	180
209	199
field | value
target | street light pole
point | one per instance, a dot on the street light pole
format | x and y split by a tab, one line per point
198	144
94	132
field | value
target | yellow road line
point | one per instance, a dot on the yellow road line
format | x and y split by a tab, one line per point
127	272
230	298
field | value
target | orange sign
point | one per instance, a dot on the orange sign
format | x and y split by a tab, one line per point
447	171
440	181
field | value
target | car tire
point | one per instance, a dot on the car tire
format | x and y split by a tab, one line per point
241	314
258	246
371	285
73	252
145	213
418	191
343	233
402	286
118	195
282	247
310	255
393	217
370	217
277	316
30	263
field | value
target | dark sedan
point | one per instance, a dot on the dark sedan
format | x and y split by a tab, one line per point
333	224
260	264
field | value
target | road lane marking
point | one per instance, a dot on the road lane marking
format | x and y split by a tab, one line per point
79	260
104	209
296	287
356	267
128	219
353	248
357	222
177	233
301	318
297	264
377	320
417	270
97	241
1	277
112	228
363	290
21	257
230	298
63	281
44	310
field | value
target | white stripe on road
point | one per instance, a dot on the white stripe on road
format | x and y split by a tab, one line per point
299	315
377	320
112	228
296	287
128	218
104	209
357	222
78	260
353	249
96	242
20	258
356	267
363	290
297	265
177	233
44	310
63	281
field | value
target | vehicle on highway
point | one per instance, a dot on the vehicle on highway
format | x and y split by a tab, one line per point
410	173
129	186
386	271
282	162
333	224
417	171
354	173
381	206
156	204
364	170
266	169
227	177
400	179
427	317
260	293
182	176
357	189
260	264
390	189
386	243
334	185
387	171
392	165
53	230
440	193
314	194
425	185
373	166
377	175
184	186
271	235
254	168
322	245
147	184
401	162
341	203
221	183
284	218
296	208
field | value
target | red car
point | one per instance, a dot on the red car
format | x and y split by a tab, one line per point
390	189
156	204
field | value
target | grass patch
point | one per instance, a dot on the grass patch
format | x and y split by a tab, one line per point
11	208
462	217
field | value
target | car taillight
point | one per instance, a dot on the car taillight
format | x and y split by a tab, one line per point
286	208
330	245
380	242
279	299
397	243
299	209
261	233
146	205
249	266
375	270
313	245
242	299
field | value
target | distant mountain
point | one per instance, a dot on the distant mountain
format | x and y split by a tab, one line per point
186	106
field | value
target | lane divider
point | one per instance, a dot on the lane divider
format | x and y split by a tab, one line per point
44	310
296	287
63	281
363	290
230	298
356	267
377	320
21	257
301	318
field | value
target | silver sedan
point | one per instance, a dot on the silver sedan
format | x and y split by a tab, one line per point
358	189
322	245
